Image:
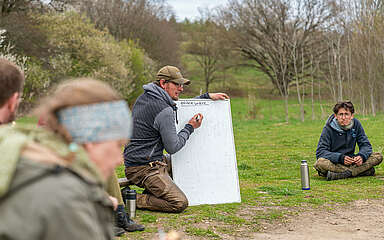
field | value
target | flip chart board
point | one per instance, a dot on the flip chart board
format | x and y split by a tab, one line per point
205	168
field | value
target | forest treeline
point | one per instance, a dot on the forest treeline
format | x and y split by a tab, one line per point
316	49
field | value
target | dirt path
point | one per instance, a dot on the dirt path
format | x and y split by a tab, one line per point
362	219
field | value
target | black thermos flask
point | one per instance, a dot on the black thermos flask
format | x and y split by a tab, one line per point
129	196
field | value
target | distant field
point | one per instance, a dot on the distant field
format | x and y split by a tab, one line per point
237	81
269	152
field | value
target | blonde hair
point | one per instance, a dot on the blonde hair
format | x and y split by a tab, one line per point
75	92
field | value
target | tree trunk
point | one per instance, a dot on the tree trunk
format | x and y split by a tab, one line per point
339	70
206	85
300	100
331	83
286	108
297	85
312	100
362	102
322	114
371	91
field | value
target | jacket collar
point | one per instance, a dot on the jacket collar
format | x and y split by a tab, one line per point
156	91
332	123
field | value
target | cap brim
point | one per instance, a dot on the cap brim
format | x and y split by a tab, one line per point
183	81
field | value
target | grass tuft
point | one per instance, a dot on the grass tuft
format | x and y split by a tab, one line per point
201	232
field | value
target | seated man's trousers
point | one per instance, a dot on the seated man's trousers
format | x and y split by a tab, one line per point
323	165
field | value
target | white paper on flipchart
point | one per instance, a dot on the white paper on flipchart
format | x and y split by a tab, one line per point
205	169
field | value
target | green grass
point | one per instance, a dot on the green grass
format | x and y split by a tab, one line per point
201	232
269	152
27	120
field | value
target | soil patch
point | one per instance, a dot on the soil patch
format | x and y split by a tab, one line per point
361	219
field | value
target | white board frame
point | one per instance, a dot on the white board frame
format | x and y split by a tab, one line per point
206	177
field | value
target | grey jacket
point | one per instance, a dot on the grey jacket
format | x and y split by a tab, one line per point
154	114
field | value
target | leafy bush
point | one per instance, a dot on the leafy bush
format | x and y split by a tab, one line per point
81	50
37	81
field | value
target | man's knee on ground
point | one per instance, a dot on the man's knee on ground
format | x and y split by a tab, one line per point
376	157
320	163
180	204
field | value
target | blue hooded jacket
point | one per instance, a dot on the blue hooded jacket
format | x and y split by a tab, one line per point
336	143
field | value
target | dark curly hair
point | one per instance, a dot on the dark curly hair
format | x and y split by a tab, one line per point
348	105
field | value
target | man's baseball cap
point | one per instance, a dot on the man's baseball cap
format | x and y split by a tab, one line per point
173	74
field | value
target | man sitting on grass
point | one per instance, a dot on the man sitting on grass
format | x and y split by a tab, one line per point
335	153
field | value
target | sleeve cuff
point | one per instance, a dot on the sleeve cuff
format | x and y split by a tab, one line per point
341	158
205	96
189	128
362	156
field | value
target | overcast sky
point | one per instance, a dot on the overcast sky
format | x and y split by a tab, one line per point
188	8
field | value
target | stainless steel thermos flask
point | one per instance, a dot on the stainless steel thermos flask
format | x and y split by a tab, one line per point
130	202
304	175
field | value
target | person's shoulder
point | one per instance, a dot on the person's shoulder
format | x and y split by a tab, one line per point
44	191
357	123
45	195
327	131
165	115
327	126
63	185
154	101
356	120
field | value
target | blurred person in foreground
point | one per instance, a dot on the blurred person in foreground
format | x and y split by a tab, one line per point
336	158
121	219
154	114
52	181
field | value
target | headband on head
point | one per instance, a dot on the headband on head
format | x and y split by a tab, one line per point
97	122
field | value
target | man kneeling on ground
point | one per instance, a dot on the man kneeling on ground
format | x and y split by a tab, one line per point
335	153
154	130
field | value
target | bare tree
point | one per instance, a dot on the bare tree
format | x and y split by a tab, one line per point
312	88
150	23
367	43
266	29
332	70
295	54
207	46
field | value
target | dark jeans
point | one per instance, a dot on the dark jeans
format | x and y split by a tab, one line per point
161	193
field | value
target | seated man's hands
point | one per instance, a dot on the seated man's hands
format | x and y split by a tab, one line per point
196	120
218	96
358	160
348	160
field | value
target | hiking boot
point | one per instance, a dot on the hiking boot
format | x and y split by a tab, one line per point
123	221
322	174
369	172
133	226
335	176
118	231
